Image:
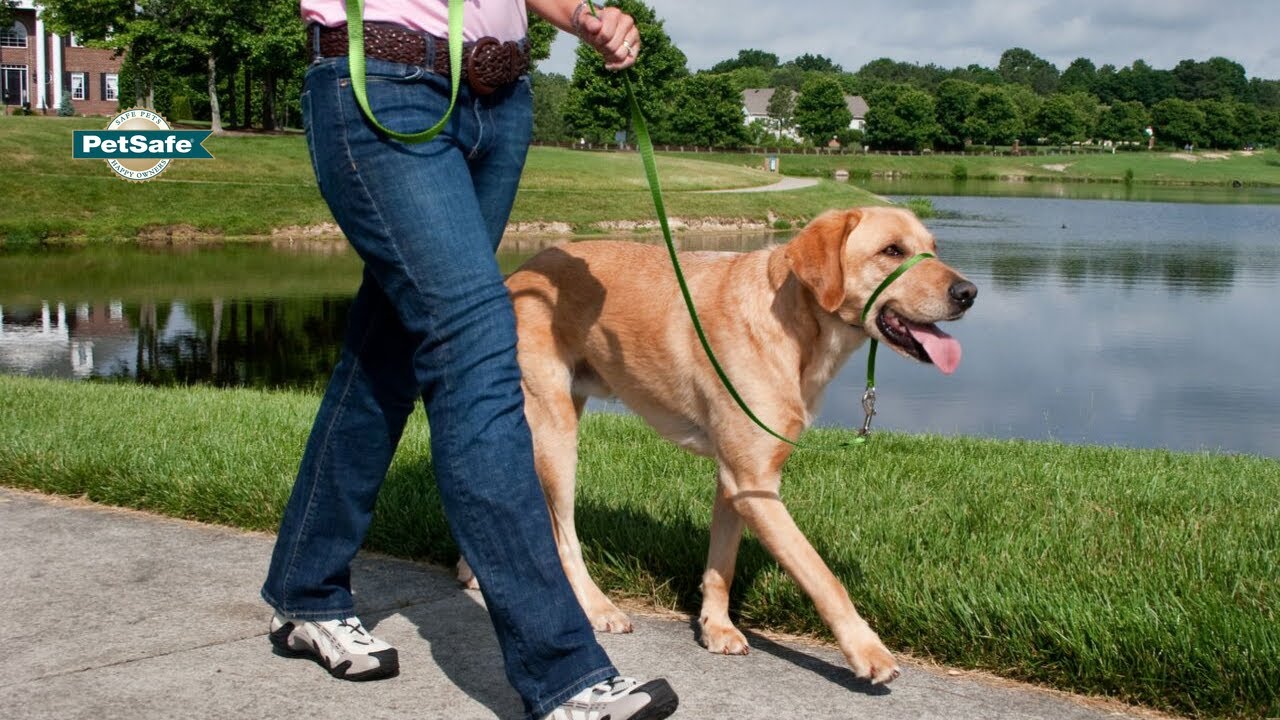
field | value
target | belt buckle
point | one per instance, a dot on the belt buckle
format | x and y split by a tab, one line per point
481	52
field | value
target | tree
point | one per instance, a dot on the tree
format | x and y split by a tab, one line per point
901	117
817	63
1248	124
541	34
995	119
1080	76
1124	121
782	107
1270	128
788	76
1221	127
1179	122
597	106
1265	93
706	110
550	92
1215	79
750	58
1027	103
1020	66
956	100
1139	82
1059	121
821	111
274	40
747	77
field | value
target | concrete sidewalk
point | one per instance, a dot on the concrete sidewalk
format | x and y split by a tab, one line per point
116	614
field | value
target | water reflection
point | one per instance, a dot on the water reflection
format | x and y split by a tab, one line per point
1133	324
242	343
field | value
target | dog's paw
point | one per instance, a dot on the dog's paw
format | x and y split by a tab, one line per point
873	662
466	577
723	639
610	620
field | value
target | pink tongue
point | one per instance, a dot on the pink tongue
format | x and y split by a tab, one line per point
943	349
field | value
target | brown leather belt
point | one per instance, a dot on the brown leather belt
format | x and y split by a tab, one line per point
487	64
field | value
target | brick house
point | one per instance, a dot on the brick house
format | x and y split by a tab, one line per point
36	66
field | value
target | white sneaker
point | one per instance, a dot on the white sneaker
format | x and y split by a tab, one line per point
621	698
343	647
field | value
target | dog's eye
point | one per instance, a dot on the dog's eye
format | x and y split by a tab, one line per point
893	251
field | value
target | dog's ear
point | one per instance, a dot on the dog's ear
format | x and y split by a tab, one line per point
817	256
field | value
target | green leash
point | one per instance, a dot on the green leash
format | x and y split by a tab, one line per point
355	56
355	60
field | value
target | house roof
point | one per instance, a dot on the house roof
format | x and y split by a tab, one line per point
857	106
755	101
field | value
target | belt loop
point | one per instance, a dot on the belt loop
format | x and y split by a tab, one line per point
315	41
429	52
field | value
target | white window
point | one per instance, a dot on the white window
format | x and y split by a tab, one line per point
73	41
111	83
14	37
79	84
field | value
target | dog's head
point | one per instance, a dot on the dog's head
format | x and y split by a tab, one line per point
843	256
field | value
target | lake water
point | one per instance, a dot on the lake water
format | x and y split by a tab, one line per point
1144	324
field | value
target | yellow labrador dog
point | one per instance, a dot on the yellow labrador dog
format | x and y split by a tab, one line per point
607	319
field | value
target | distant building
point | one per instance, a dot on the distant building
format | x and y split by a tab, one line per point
755	106
36	66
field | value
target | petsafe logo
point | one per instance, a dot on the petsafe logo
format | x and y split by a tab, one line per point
139	145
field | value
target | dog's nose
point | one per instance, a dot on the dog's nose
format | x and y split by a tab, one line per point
963	293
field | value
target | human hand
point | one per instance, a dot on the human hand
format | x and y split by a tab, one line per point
613	34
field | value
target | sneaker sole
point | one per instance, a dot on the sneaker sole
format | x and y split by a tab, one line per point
388	660
664	701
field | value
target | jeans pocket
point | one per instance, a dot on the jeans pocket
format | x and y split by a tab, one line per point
403	102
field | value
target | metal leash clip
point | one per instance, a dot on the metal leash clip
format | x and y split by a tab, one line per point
868	409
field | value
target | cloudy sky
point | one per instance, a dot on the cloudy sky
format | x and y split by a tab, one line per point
959	32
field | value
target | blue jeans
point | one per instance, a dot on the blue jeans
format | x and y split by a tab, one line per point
432	319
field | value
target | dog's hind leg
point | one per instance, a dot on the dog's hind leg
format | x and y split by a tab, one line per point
718	633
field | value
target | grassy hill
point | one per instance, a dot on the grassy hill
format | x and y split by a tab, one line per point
257	183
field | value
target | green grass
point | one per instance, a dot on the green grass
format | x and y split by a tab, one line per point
257	183
1147	576
1258	169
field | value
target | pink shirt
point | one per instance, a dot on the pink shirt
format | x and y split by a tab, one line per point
502	19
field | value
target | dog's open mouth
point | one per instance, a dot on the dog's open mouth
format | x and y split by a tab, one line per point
922	341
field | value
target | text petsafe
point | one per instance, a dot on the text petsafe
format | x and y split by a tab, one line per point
104	144
139	144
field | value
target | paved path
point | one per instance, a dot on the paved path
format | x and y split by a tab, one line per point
786	183
117	614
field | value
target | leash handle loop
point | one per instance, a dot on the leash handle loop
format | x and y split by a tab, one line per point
355	60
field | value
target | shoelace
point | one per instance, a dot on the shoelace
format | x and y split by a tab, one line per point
356	631
610	689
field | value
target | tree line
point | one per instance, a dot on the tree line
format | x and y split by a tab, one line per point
241	63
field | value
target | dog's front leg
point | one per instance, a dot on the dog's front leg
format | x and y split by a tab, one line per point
718	633
756	499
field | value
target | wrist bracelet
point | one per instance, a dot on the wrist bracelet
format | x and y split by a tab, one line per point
575	20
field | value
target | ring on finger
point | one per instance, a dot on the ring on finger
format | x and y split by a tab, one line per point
627	46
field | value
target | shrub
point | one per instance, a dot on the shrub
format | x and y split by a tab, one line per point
959	171
921	206
180	108
66	109
1128	176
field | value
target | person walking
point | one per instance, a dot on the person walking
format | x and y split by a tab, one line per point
432	320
